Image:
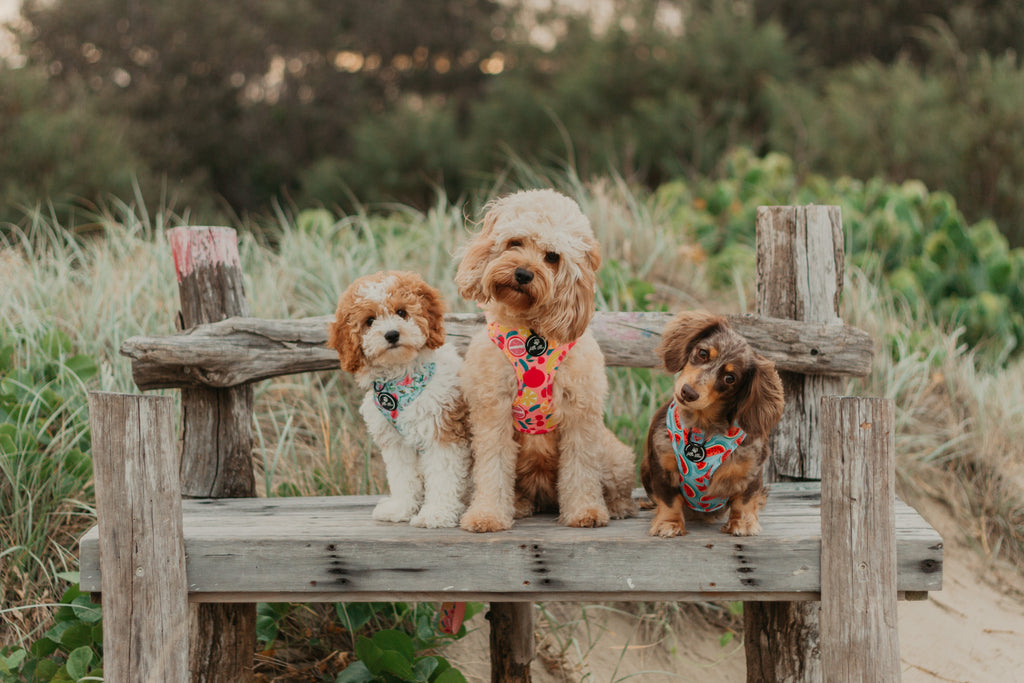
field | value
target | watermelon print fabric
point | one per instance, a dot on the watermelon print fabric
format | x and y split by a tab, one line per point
393	395
700	462
536	362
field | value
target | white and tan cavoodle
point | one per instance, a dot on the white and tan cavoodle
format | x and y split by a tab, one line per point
389	332
534	379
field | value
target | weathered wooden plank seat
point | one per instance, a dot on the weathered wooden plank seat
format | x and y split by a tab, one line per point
328	549
846	540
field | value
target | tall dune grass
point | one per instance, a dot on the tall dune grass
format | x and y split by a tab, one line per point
959	428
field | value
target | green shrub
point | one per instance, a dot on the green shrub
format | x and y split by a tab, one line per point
70	650
947	269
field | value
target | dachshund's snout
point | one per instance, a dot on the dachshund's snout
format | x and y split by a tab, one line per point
523	276
688	393
392	336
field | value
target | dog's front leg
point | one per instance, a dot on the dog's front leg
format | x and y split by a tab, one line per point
581	500
400	462
579	400
445	469
489	387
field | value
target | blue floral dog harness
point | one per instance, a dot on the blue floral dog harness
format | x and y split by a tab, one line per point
394	395
698	458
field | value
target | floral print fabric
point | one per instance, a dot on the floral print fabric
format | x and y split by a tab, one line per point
535	361
393	395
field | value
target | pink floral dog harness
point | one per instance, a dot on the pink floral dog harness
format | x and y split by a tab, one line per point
535	362
393	395
698	459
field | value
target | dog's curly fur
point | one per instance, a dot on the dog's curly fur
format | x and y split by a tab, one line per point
719	381
580	469
388	325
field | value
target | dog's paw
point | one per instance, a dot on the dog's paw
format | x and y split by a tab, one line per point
393	510
436	517
746	525
667	528
586	518
482	521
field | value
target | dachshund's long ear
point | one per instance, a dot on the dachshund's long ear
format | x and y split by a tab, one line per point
433	313
680	334
475	256
344	338
761	408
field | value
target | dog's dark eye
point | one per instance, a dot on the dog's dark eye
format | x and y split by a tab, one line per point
369	321
552	257
401	313
729	378
512	244
702	354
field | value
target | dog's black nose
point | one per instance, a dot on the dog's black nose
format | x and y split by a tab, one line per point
689	393
523	276
391	336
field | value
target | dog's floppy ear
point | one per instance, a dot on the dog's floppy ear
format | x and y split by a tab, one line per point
761	408
680	333
343	338
475	256
433	313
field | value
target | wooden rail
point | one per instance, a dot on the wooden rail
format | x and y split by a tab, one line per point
237	351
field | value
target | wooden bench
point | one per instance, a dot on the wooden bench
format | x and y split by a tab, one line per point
836	541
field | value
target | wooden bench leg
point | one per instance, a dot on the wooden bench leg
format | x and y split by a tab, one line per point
511	641
781	641
142	548
859	635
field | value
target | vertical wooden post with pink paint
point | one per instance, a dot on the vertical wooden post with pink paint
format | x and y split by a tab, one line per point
216	439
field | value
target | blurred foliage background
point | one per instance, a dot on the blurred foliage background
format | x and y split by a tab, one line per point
231	108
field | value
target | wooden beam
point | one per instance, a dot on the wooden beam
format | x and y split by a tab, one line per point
242	350
145	591
859	635
216	455
800	266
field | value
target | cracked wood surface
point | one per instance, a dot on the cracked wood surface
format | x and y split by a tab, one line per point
241	350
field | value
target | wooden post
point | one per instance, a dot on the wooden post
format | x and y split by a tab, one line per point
216	455
142	549
799	276
859	633
511	641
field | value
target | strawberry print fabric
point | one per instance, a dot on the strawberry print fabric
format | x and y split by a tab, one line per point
695	472
535	361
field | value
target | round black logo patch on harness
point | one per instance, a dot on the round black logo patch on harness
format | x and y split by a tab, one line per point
387	401
695	452
536	345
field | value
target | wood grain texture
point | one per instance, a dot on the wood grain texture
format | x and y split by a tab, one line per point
799	277
330	546
216	439
511	640
242	350
140	538
859	633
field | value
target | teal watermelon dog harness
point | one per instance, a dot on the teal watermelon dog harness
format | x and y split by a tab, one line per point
698	458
